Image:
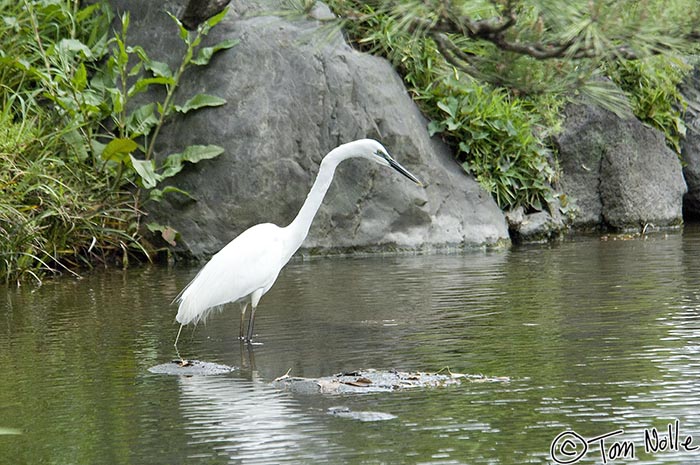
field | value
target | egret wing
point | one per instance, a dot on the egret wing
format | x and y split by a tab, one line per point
251	261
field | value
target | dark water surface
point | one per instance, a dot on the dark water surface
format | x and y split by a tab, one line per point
596	336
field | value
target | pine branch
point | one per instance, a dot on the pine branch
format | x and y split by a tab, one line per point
497	30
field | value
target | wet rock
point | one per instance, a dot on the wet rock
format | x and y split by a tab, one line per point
619	171
345	412
368	381
190	368
294	93
534	227
690	145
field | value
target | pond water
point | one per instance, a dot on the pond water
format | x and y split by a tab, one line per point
597	337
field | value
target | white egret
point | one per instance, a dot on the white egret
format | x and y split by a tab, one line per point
247	267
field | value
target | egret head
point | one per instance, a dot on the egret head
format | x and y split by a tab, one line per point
373	150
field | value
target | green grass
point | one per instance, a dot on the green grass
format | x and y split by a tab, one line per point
56	213
76	164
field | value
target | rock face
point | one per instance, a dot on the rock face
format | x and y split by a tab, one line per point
293	95
540	226
690	145
620	172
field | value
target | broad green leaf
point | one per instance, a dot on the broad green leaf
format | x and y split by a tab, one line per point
174	189
465	147
154	227
77	143
159	68
205	53
140	52
85	13
141	120
197	153
74	46
168	233
173	165
216	19
434	127
142	84
199	101
193	154
184	33
118	149
80	77
97	148
122	58
117	100
136	69
449	107
145	169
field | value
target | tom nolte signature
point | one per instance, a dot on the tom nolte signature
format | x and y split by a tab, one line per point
569	447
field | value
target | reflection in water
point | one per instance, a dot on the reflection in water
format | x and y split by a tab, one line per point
247	420
595	336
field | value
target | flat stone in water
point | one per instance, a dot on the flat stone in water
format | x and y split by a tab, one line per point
190	368
375	381
345	412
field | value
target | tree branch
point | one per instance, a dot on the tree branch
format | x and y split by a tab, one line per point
495	30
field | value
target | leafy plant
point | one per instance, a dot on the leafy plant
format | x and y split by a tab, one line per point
497	136
493	75
77	141
652	86
495	140
131	148
56	214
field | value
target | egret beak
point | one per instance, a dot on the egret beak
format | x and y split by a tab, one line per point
397	166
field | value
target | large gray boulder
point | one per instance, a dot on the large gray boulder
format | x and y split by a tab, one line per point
619	171
294	94
690	145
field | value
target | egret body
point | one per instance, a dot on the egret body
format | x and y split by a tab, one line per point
247	267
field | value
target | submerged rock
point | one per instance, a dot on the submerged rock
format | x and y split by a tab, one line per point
368	381
190	368
345	412
619	171
294	92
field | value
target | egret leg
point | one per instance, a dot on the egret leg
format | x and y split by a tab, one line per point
244	305
251	322
254	299
177	338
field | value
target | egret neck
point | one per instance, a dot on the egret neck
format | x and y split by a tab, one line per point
299	228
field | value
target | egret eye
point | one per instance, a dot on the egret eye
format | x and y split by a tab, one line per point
383	154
